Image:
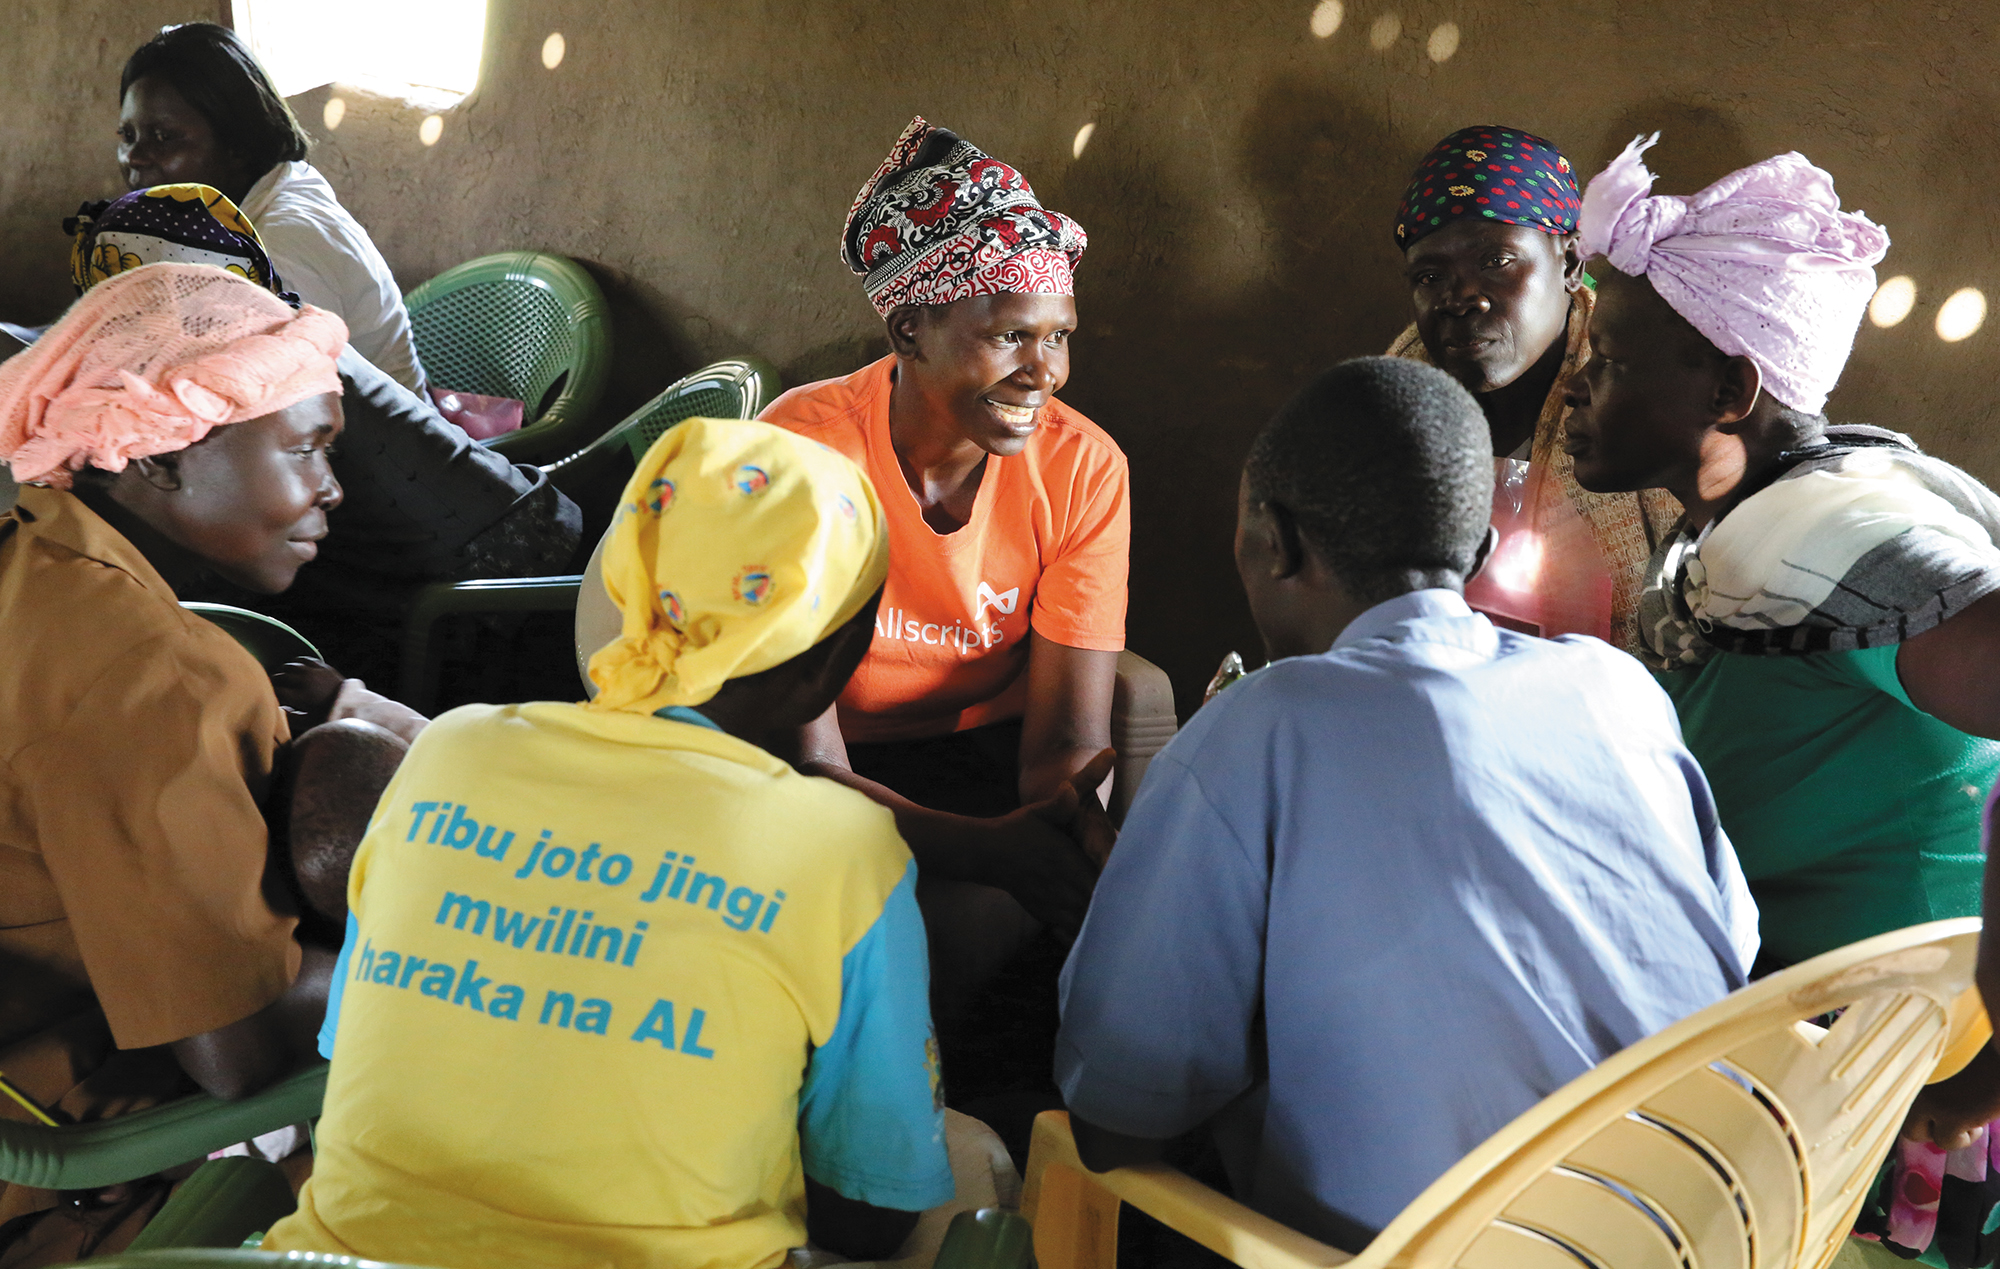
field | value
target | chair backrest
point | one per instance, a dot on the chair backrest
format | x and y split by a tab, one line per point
1744	1137
271	641
736	389
1142	722
597	619
522	324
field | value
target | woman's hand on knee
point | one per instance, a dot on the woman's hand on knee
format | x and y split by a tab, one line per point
1948	1113
1092	827
313	693
1033	855
306	688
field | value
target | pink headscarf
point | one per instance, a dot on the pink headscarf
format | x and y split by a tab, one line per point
150	362
1763	262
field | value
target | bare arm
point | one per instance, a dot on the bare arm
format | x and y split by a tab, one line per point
1033	853
945	845
1068	720
237	1060
1066	730
1953	674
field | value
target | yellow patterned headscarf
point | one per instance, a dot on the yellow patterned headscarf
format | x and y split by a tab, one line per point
737	547
166	224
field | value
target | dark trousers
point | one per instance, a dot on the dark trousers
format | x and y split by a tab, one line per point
996	1036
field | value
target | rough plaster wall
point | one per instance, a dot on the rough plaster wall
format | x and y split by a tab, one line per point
1238	188
59	64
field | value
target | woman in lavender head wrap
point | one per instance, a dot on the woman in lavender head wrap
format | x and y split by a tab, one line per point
1827	614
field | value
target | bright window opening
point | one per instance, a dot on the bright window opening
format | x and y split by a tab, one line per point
420	50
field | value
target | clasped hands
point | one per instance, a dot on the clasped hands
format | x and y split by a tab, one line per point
1048	853
313	692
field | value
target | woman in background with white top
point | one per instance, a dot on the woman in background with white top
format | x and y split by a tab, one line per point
196	107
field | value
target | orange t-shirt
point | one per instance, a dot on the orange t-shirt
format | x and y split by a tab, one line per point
1045	548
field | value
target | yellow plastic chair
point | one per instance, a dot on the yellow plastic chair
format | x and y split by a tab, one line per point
1744	1137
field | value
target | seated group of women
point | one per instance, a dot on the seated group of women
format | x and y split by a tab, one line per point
925	606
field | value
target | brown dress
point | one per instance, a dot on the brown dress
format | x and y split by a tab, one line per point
1627	526
136	743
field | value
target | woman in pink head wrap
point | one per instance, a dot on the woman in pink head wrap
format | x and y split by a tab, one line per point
1827	614
174	423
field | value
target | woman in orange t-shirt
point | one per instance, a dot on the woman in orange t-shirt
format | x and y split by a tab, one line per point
981	714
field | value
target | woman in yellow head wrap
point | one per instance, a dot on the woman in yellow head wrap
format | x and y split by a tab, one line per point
686	983
738	546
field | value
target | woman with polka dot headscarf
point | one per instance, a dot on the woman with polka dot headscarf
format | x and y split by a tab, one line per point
1488	233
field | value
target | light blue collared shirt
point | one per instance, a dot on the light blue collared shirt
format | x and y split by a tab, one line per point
1398	893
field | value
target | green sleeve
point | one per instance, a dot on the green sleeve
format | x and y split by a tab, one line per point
1876	668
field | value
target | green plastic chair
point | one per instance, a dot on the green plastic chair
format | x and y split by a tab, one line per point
108	1151
226	1203
271	641
735	389
521	324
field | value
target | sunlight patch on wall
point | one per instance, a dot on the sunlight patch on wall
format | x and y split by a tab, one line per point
1386	31
1443	42
1893	301
553	49
1962	315
1326	18
1083	136
431	129
335	111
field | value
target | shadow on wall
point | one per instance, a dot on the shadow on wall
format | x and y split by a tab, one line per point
647	352
1699	144
834	359
1944	237
1195	373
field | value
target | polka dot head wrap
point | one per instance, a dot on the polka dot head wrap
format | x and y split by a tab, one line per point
1491	173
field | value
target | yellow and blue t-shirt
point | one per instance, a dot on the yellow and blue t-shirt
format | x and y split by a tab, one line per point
612	985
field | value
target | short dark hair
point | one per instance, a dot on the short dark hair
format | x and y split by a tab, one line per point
1386	466
215	70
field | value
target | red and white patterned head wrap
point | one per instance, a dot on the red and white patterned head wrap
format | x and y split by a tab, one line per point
941	220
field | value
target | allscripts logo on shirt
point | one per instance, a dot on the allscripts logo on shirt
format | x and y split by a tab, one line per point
1003	602
968	637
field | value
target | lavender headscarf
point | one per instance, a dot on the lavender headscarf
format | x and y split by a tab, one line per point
1763	262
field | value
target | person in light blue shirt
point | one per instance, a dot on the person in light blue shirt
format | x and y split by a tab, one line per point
1382	896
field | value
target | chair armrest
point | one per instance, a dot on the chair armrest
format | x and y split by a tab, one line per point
1968	1032
108	1151
1142	722
222	1204
417	682
1075	1211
